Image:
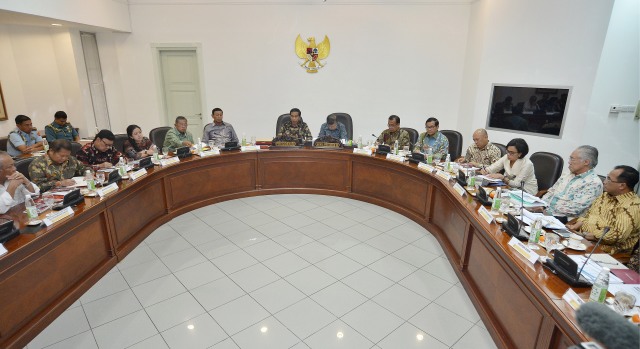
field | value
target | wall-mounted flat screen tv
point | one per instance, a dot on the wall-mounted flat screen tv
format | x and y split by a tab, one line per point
538	110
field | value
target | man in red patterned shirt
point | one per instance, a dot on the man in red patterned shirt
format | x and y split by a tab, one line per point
100	152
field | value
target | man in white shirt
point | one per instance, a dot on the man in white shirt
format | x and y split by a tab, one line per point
14	186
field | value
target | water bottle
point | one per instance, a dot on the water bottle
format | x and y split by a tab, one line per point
471	178
244	139
45	144
599	289
447	164
199	146
32	211
497	200
534	236
122	167
395	147
90	180
360	142
429	155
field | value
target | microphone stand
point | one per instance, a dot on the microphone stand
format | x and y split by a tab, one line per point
521	222
604	232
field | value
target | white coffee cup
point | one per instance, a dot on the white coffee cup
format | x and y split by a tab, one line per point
575	240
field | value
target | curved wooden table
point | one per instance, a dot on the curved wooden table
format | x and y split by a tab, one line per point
47	269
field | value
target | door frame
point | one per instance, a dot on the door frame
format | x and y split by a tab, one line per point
156	48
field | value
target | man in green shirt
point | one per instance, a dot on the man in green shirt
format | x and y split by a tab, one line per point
178	136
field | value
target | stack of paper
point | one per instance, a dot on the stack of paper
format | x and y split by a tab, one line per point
549	222
592	269
529	200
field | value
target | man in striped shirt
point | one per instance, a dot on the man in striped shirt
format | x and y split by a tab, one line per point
617	208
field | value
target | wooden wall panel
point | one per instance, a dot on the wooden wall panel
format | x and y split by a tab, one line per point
304	172
447	217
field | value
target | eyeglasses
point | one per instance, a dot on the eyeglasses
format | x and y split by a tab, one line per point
572	159
108	145
608	179
512	152
431	127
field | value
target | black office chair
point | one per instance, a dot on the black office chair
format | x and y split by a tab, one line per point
345	119
22	166
282	119
503	149
548	168
3	143
118	143
75	148
413	136
158	134
455	143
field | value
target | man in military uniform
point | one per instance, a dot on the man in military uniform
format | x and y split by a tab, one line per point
60	129
393	133
178	136
23	140
295	128
57	168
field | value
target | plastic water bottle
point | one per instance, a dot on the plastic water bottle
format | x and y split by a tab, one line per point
45	144
497	200
534	236
447	164
471	178
429	155
32	211
395	147
599	289
91	182
199	146
244	140
122	167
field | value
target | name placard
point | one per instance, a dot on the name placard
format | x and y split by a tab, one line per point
249	148
204	154
2	250
169	161
327	144
363	151
111	188
524	250
425	167
459	189
572	298
135	175
482	211
396	158
443	174
58	216
286	144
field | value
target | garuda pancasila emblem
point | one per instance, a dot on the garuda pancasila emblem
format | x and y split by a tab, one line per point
312	53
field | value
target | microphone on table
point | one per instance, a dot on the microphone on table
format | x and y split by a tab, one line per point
607	327
521	207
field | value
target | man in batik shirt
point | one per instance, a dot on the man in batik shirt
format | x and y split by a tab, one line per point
56	168
100	152
296	128
393	133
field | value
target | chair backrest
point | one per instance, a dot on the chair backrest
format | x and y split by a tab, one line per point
282	119
503	149
75	148
3	143
345	119
158	134
413	136
22	166
118	143
547	167
455	143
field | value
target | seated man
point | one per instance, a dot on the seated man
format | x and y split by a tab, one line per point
333	128
56	168
295	128
433	139
100	152
393	133
574	192
481	153
23	140
61	129
220	132
14	186
617	208
178	136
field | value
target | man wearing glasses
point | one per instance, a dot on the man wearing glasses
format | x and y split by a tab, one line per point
100	152
433	139
393	133
617	208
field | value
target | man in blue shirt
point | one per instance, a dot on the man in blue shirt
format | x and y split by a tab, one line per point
61	129
333	128
23	140
433	139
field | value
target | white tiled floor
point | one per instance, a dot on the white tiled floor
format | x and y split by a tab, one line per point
277	271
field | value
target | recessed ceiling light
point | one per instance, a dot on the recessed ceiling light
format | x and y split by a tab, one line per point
56	24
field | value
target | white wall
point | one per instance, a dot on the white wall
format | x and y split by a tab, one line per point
405	60
558	43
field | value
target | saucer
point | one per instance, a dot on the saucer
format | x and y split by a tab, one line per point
34	222
501	220
582	246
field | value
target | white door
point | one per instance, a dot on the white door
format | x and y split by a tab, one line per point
181	87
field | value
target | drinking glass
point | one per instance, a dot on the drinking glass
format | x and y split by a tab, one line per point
100	177
436	158
253	140
45	144
405	149
551	241
165	152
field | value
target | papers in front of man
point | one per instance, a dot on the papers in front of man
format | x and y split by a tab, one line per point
592	269
549	222
529	200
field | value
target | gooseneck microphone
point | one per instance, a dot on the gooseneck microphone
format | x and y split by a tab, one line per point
607	327
604	232
521	208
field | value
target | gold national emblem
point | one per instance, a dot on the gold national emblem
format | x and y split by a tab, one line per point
312	53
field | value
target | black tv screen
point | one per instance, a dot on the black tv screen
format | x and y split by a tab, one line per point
538	110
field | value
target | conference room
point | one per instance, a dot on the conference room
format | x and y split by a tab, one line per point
360	229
